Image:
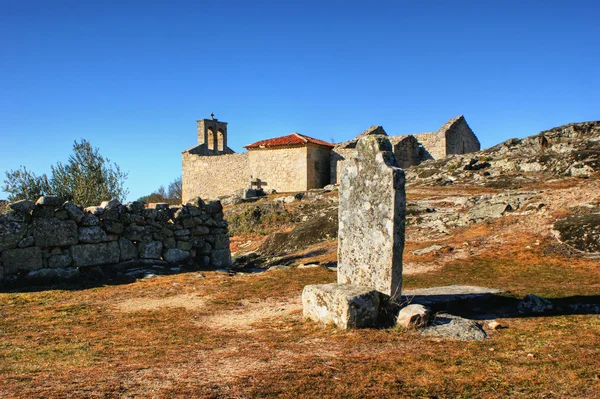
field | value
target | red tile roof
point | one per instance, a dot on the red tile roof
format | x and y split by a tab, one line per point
290	139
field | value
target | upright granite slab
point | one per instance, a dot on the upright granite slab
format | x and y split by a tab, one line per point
371	239
372	216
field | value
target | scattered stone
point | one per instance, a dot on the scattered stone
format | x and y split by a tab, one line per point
427	250
448	326
413	316
494	325
113	203
533	304
347	306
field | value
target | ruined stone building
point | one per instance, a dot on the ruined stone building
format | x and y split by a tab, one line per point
297	162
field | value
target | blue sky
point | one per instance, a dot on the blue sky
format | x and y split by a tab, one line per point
132	77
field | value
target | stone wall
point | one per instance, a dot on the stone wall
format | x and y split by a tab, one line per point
460	139
318	159
407	150
52	238
339	158
434	145
213	176
283	169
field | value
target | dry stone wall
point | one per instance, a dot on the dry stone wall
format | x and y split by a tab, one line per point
56	239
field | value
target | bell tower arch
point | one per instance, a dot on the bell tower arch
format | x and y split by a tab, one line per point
213	134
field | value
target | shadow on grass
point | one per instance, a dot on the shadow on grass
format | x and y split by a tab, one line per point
493	306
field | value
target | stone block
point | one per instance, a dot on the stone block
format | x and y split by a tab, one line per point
89	220
150	250
413	316
128	250
346	306
54	232
200	231
75	213
60	261
49	200
50	275
95	254
92	235
372	216
112	226
27	259
23	206
220	258
175	255
11	234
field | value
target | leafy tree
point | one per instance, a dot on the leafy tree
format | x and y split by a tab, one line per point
171	196
86	179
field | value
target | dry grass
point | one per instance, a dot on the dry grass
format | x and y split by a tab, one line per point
211	335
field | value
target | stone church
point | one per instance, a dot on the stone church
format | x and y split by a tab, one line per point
297	162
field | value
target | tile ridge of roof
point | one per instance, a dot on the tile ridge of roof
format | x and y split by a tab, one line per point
301	137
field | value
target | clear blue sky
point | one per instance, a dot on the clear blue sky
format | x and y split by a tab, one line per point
132	77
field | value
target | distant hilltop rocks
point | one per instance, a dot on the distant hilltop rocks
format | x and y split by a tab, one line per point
568	150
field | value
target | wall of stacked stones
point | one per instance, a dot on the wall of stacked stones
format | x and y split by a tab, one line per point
52	238
433	143
214	176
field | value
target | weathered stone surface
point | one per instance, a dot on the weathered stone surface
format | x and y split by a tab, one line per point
26	242
112	226
49	200
184	245
54	232
220	257
447	326
533	304
489	211
447	294
580	231
90	220
128	250
150	250
95	254
22	259
10	234
74	212
24	206
346	306
92	235
175	255
200	231
372	217
113	203
50	275
60	261
413	316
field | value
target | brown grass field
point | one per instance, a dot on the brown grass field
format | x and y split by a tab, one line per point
213	335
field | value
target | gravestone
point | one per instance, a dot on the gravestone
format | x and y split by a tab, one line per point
372	216
371	238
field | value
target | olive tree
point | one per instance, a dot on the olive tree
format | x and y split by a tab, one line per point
86	179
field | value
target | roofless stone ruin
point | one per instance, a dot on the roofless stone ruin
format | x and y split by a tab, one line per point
371	238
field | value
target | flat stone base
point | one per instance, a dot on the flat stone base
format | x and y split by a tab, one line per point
346	306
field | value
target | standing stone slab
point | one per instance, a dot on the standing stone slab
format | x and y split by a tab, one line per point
95	254
346	306
372	216
52	232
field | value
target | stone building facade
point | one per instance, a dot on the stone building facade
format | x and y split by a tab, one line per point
297	162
